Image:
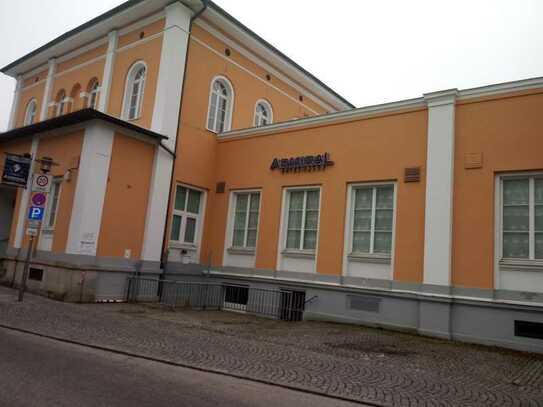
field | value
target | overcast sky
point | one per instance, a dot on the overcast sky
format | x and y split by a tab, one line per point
368	51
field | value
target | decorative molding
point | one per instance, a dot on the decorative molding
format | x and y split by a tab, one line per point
299	254
368	258
328	119
44	111
500	88
521	265
107	75
15	103
246	251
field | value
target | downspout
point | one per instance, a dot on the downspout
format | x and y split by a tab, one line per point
163	257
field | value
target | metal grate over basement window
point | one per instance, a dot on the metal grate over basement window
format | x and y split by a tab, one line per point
364	303
528	329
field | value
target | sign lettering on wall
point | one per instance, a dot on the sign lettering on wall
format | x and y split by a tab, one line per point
16	170
302	163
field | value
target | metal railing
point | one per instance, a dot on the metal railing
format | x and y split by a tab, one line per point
279	304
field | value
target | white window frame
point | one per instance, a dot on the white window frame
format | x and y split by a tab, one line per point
93	91
57	181
60	105
258	116
184	214
30	115
229	105
128	88
530	263
232	213
349	224
284	222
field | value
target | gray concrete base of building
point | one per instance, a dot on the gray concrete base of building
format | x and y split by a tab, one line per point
72	278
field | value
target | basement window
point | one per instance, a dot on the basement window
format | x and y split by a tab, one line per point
35	274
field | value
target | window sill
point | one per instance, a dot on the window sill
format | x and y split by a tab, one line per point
369	258
182	246
246	251
521	265
299	254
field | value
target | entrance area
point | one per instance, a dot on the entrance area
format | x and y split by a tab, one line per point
7	207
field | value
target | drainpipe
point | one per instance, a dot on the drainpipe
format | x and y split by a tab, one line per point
163	257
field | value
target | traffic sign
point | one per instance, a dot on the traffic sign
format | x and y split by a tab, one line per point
41	183
32	232
36	213
16	170
39	199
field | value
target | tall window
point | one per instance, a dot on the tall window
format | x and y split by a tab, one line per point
61	102
522	217
52	204
220	106
186	215
93	90
246	219
302	219
372	218
263	113
30	114
135	87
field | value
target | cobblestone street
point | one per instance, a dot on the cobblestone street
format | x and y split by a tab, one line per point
363	364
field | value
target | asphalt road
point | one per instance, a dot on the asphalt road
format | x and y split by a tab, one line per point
37	371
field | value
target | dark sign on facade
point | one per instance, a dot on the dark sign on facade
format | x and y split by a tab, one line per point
303	163
16	170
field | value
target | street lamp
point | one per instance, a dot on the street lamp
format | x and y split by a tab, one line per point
46	164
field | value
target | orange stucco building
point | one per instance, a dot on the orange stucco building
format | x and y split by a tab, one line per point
189	148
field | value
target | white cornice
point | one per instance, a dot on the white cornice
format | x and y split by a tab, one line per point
440	98
500	88
327	119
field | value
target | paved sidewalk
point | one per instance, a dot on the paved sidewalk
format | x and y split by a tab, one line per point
363	364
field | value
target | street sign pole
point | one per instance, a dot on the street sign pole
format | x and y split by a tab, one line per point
22	286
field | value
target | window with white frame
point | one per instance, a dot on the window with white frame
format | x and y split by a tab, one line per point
135	86
186	215
52	204
30	114
522	217
302	219
372	214
263	113
246	212
62	102
220	106
93	89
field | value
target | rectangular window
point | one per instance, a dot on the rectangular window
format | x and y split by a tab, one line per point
372	216
302	219
522	217
186	215
246	219
52	204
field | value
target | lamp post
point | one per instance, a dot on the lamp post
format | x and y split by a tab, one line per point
45	167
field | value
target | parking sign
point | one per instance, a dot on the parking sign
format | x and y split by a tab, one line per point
36	213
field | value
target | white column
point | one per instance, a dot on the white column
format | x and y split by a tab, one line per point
105	86
15	105
165	120
90	190
48	89
439	188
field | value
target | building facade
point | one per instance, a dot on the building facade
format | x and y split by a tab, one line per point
188	146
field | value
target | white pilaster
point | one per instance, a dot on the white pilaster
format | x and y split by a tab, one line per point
48	89
90	190
25	196
165	120
105	87
439	187
15	104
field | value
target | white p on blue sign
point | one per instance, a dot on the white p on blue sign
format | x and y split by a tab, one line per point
36	213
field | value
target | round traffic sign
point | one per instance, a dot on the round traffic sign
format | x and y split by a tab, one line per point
39	199
42	180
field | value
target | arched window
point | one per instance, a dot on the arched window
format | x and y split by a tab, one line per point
74	100
30	114
92	90
135	85
221	98
263	113
61	102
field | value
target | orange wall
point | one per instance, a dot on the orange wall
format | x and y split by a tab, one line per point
508	132
125	205
34	92
369	150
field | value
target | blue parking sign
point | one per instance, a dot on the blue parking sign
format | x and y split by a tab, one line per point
36	213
